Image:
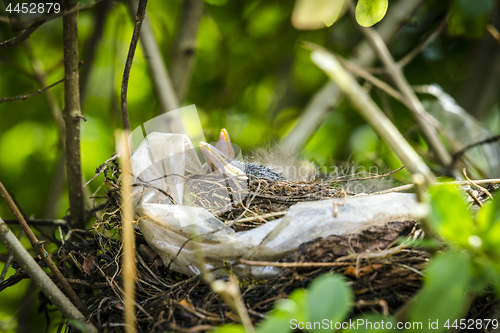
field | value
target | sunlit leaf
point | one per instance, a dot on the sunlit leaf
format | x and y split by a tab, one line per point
370	12
316	14
450	216
488	223
445	292
329	298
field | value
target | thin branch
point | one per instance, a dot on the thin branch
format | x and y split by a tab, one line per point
494	32
139	17
40	248
292	264
423	44
24	97
40	278
102	167
72	116
37	22
458	183
25	34
184	47
161	80
418	111
459	154
41	76
127	224
357	70
9	260
367	108
40	222
329	95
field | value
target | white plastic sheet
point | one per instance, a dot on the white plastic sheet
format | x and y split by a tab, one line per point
165	160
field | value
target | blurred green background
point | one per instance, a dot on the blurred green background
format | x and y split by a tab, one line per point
251	76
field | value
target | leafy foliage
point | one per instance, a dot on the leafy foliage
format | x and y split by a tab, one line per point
369	12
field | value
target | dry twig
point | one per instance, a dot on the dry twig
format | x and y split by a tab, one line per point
141	12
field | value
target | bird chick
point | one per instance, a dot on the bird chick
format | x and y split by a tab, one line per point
222	158
278	157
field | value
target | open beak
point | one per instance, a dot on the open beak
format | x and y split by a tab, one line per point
224	144
217	160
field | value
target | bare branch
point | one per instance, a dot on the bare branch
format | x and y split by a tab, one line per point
356	70
418	111
25	34
141	12
184	47
9	260
127	223
494	32
161	80
423	44
72	116
23	97
367	108
40	248
41	222
37	22
40	278
329	95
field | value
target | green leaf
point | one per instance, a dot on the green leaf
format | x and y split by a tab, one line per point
309	15
284	312
488	225
450	216
369	12
371	323
469	18
229	328
328	297
445	292
216	2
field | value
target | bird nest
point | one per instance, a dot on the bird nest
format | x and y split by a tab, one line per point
382	269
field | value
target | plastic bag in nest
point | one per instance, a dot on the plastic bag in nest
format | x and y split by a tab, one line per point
165	164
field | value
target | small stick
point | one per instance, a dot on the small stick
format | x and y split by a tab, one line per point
9	260
141	12
40	248
41	279
129	268
292	264
476	185
38	92
494	32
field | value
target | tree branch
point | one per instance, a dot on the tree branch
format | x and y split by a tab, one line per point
139	17
23	97
184	47
40	278
25	34
367	108
72	115
329	95
161	80
418	111
40	248
127	223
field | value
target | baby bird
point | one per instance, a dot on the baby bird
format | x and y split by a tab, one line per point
222	158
